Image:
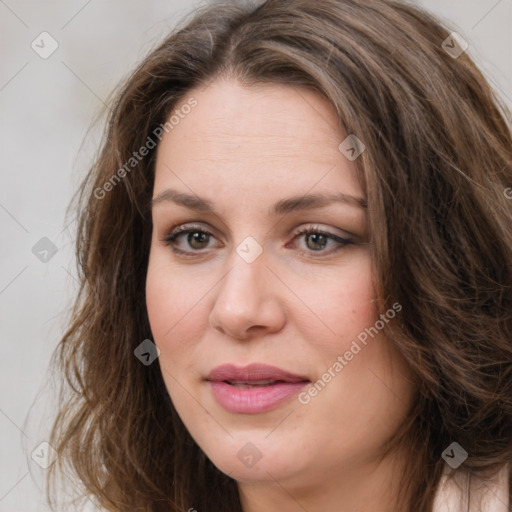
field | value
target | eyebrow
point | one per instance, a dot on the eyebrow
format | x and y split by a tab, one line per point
284	206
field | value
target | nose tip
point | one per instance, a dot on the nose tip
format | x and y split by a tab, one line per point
247	301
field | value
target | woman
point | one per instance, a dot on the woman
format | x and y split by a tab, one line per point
296	263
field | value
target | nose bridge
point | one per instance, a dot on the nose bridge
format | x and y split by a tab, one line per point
242	288
248	269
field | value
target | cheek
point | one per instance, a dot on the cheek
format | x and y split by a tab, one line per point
161	292
177	299
172	292
342	306
172	303
338	305
354	306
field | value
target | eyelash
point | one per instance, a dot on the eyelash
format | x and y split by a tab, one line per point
170	239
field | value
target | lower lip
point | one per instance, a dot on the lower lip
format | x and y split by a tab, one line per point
256	399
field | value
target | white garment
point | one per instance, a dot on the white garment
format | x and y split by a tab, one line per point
452	496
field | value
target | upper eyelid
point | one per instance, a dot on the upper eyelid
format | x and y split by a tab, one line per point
183	229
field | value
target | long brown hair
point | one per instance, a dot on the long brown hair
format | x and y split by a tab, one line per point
436	169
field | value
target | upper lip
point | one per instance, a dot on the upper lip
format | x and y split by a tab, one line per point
252	372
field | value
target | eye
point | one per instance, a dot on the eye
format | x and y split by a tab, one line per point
197	238
316	240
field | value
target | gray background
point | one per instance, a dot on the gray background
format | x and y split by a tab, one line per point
47	108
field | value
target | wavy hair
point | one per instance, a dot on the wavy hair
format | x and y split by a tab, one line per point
436	170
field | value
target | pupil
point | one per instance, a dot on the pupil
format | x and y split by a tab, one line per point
316	237
198	237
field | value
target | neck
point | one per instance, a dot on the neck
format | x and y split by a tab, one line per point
372	487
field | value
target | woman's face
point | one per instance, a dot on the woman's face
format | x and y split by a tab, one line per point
244	172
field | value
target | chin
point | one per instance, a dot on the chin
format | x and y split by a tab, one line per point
258	461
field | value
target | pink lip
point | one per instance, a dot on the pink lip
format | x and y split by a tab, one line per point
255	399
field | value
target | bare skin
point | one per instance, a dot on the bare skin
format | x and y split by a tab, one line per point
298	306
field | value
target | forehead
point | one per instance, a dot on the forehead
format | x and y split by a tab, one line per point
255	139
281	114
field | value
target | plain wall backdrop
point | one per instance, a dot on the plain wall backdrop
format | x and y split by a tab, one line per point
48	103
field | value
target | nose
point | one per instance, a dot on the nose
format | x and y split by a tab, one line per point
248	303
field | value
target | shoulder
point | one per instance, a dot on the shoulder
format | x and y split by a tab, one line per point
462	492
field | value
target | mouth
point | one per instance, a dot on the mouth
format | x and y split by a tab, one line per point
253	384
253	374
253	389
